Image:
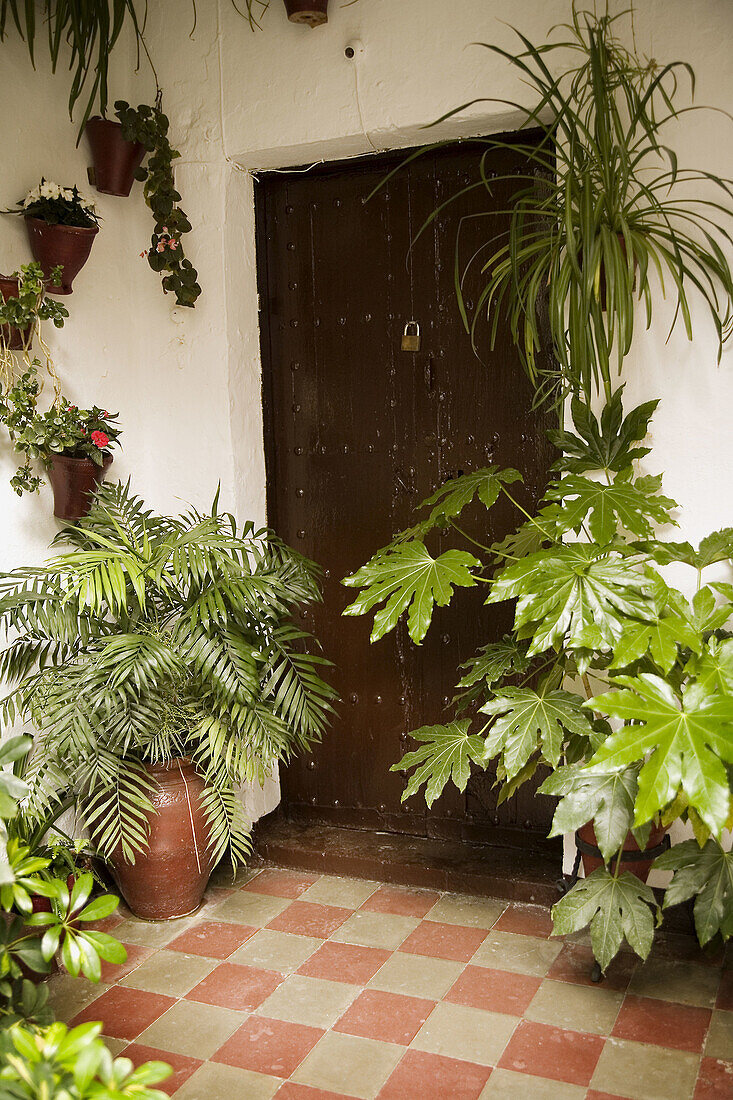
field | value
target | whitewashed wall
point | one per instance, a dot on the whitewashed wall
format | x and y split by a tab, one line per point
187	383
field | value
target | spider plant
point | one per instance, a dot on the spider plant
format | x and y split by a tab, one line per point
606	215
151	638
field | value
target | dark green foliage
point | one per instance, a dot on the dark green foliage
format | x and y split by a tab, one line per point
149	126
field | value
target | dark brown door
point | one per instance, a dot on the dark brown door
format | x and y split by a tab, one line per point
358	432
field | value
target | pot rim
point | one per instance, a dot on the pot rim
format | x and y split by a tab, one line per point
69	228
108	458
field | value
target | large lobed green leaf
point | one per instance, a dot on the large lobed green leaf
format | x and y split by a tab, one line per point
684	743
406	575
445	754
705	874
451	498
605	798
615	908
527	721
608	444
632	505
576	597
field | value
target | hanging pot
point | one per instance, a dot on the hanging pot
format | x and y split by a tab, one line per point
68	245
15	339
73	481
169	879
313	13
115	160
632	858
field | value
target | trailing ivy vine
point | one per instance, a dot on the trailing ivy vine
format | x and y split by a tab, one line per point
149	126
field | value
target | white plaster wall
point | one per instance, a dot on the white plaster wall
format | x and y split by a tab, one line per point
188	388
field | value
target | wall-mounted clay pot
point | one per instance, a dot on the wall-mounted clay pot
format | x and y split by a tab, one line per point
313	13
68	245
14	338
169	879
73	481
115	160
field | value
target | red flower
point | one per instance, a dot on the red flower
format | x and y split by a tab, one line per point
99	439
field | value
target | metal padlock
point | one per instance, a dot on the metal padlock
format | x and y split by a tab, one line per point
411	340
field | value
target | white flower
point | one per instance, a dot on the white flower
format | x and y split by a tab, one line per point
31	197
50	190
68	194
87	204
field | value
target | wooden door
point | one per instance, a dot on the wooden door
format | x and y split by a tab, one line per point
358	432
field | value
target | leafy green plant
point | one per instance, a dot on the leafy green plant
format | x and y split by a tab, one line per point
590	607
609	220
58	205
61	429
149	126
155	637
31	305
58	1063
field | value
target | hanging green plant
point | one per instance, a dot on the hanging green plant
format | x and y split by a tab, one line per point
149	126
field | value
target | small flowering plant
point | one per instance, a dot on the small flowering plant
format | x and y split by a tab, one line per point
31	304
58	205
63	429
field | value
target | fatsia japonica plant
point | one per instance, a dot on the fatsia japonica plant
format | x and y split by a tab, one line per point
150	638
611	677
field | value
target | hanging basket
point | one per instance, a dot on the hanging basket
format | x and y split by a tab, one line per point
312	13
115	160
74	481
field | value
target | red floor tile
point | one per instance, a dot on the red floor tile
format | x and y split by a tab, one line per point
575	963
113	972
268	1046
123	1012
234	986
181	1065
715	1080
292	1091
401	901
725	992
527	920
305	918
280	884
650	1020
422	1076
216	939
444	941
547	1051
107	924
592	1094
391	1017
344	962
494	990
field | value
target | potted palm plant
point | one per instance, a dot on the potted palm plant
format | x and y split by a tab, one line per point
172	675
62	225
73	444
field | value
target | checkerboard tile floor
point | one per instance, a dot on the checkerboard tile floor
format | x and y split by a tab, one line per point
308	987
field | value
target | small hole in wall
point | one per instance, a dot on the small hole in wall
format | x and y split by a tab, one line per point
349	53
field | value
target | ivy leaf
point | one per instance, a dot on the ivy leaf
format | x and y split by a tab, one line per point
683	744
406	575
604	445
631	505
445	754
452	497
575	597
606	798
615	908
530	721
704	874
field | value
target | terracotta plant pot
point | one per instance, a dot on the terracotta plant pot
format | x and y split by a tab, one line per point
14	338
169	879
73	481
313	13
115	160
68	245
638	867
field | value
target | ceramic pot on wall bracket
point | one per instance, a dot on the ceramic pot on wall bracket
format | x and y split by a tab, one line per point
74	481
15	339
67	245
169	879
115	160
312	13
